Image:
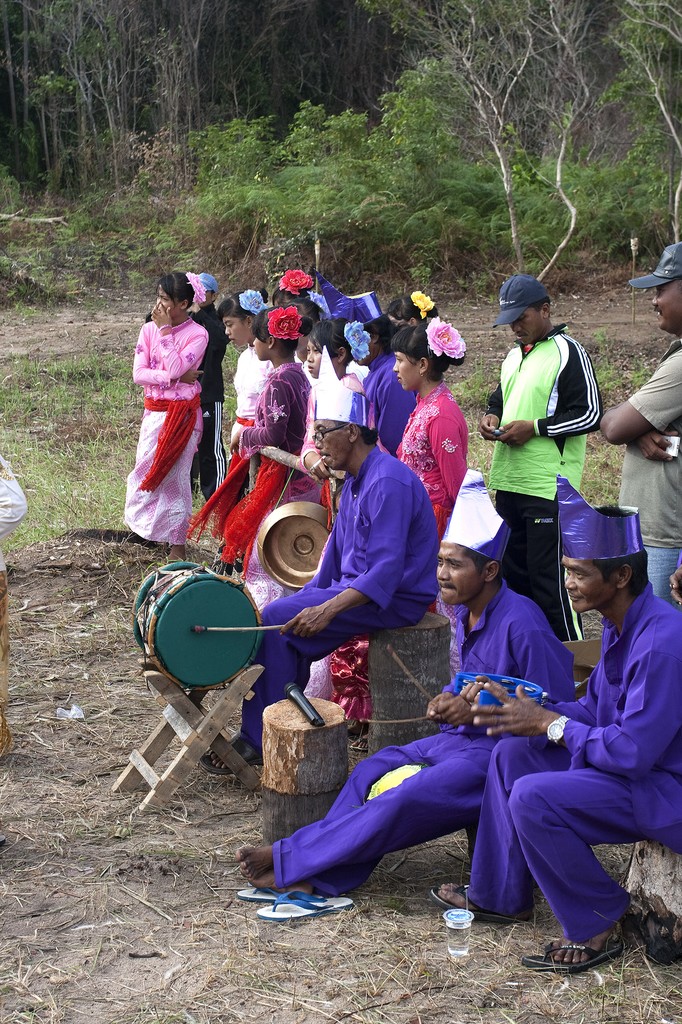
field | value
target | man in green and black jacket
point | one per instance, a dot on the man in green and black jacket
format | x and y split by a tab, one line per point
546	402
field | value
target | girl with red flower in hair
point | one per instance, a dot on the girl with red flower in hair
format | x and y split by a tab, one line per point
293	285
279	421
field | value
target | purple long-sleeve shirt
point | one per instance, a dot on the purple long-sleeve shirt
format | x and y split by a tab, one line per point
391	406
629	723
384	542
280	413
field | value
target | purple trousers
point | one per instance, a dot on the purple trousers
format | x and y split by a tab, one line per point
287	658
540	820
340	852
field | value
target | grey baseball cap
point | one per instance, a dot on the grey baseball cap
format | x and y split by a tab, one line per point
668	269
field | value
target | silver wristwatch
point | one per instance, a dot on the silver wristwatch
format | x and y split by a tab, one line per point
555	729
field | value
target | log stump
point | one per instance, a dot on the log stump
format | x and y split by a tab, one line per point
304	766
654	920
425	651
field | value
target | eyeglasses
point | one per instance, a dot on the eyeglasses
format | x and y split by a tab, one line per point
321	432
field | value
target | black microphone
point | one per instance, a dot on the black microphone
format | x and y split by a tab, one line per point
295	694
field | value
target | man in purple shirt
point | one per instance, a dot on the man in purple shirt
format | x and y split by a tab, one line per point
607	769
497	631
378	570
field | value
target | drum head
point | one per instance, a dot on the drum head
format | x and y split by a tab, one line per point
291	541
147	583
186	595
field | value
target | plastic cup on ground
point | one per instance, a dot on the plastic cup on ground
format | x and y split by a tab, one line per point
458	929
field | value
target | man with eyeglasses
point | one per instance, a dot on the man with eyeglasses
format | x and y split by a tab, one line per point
378	570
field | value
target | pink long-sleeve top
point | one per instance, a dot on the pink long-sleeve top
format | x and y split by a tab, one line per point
435	445
160	359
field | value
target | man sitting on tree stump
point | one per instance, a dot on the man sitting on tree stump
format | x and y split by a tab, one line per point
441	777
378	570
607	769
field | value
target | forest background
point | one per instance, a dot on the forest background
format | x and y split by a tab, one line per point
417	141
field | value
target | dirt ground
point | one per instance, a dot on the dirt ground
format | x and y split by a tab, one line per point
119	917
110	324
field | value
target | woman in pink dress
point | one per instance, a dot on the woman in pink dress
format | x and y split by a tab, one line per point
436	437
167	356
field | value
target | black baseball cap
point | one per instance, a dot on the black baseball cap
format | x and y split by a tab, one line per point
668	269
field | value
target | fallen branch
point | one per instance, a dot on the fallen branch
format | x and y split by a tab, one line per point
32	220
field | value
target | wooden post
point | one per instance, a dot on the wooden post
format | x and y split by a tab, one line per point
304	766
654	920
4	641
5	735
424	650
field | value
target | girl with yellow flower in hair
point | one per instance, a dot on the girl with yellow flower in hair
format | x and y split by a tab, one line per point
410	310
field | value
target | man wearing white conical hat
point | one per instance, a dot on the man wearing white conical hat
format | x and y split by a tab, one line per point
378	570
497	631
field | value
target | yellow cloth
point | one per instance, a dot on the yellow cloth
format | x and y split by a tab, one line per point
393	778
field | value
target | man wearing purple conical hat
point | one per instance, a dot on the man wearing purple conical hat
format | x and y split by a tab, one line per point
649	424
606	769
497	631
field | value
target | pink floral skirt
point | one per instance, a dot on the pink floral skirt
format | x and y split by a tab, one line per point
162	514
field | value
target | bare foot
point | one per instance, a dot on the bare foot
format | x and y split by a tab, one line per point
456	896
451	894
257	865
177	553
577	955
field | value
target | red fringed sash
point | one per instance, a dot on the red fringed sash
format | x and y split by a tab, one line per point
238	524
224	498
173	438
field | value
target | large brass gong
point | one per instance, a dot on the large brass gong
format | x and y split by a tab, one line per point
290	542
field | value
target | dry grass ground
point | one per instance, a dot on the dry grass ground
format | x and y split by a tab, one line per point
114	917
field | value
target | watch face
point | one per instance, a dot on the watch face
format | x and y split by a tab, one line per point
555	729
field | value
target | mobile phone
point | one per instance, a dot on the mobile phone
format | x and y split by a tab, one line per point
673	445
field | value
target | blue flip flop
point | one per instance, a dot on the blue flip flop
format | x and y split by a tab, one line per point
297	905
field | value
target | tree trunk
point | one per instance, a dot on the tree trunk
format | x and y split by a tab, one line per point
424	651
304	766
10	86
654	920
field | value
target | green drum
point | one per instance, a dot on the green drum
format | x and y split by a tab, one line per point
178	597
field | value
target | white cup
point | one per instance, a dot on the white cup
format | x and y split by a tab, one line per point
458	929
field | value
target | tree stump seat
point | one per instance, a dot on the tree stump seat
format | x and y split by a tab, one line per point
304	766
654	919
398	705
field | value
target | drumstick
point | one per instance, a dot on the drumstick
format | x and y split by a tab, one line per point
230	629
